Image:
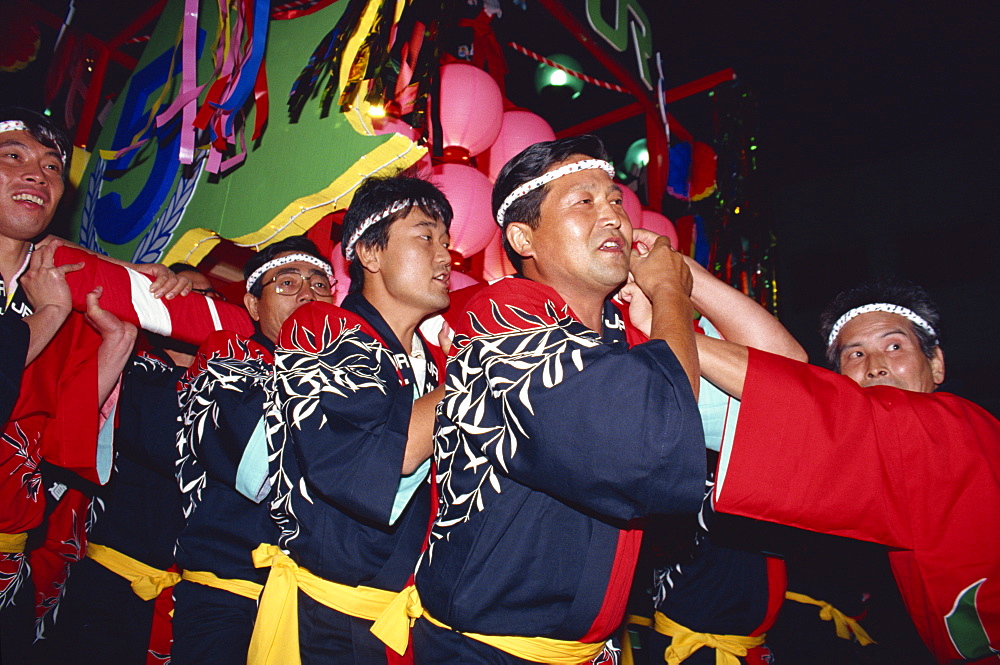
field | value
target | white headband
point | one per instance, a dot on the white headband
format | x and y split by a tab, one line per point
879	307
291	258
18	126
12	126
371	220
545	178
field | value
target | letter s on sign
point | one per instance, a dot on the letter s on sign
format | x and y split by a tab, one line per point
618	35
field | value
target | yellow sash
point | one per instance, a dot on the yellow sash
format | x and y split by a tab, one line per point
243	588
843	624
393	628
275	638
13	543
728	648
147	582
631	620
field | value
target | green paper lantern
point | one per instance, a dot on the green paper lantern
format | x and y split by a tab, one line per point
636	157
549	79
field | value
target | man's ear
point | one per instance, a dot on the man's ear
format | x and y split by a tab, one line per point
520	236
937	366
369	256
250	302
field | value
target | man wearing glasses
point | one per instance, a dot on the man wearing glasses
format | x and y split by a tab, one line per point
222	468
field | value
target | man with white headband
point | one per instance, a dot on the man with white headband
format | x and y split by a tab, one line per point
877	455
561	427
351	432
35	309
223	466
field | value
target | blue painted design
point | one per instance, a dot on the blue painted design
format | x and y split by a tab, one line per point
114	222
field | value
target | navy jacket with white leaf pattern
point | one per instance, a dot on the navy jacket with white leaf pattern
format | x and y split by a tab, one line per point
553	441
222	399
345	393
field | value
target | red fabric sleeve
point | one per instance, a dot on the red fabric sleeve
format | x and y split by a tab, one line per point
189	319
66	373
814	450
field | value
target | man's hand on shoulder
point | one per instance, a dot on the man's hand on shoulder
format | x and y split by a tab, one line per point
45	283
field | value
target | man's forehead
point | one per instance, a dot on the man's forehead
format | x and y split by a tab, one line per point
874	325
417	217
584	178
24	139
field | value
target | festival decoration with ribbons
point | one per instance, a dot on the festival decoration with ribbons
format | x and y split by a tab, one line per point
679	178
693	168
298	9
704	163
142	203
486	51
239	74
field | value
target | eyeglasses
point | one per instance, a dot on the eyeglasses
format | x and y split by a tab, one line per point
290	283
210	293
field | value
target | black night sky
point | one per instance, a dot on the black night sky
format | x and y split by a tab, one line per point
878	150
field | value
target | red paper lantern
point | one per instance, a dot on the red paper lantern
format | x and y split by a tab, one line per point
471	111
469	193
657	223
632	205
518	130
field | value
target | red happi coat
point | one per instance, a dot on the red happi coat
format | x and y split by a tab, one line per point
915	471
55	418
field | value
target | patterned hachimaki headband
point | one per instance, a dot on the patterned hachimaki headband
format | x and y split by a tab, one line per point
291	258
18	126
546	178
372	220
879	307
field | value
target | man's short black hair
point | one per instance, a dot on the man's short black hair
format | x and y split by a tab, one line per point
180	266
375	195
892	290
527	165
43	130
299	244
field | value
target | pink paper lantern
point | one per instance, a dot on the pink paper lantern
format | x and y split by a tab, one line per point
471	109
519	130
459	280
469	193
632	205
657	223
495	261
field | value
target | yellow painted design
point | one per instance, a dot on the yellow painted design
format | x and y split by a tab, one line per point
302	214
77	165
